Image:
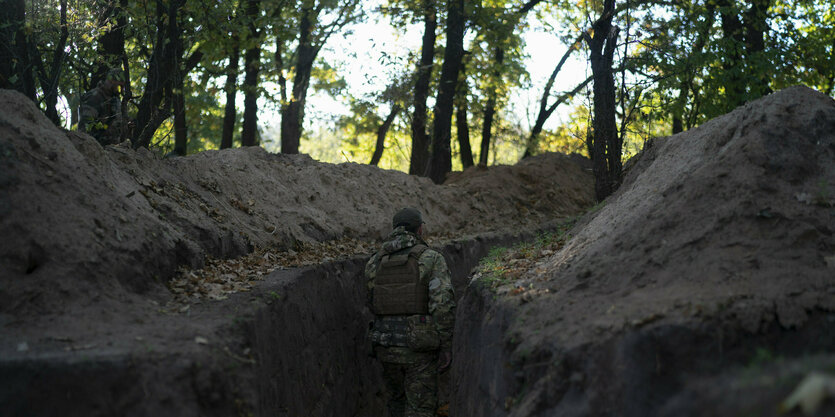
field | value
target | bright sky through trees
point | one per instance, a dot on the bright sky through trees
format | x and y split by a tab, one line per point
370	53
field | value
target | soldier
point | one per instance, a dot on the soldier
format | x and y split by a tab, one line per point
100	112
411	295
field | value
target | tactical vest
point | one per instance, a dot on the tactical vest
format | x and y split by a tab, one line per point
398	289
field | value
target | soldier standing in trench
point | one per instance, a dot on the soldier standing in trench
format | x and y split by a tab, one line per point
411	295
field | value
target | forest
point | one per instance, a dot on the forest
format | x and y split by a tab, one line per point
198	70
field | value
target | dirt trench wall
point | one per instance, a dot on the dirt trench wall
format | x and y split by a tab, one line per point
689	369
309	341
294	346
716	256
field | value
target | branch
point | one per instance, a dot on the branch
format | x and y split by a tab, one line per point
528	6
193	60
568	95
550	83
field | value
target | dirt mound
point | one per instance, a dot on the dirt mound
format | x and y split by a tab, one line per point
82	224
721	238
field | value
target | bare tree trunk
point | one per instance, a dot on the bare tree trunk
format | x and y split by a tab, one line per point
490	110
381	134
420	139
15	60
252	66
463	130
180	127
230	113
292	114
755	26
686	85
440	161
732	64
161	73
10	19
250	123
606	147
49	77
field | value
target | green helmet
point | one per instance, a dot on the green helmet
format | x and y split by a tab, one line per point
409	217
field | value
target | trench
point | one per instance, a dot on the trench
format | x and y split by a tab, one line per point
314	357
305	329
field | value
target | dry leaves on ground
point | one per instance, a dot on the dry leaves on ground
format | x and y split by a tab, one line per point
221	277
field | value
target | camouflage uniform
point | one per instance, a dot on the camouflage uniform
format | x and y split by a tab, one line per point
100	114
410	375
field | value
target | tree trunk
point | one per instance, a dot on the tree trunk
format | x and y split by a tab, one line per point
686	85
486	130
179	105
755	27
10	19
292	115
49	77
463	130
111	45
732	64
250	123
606	147
381	134
420	139
440	161
230	113
15	60
490	109
162	68
252	66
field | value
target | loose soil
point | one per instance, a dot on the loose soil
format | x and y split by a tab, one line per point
92	236
716	252
718	247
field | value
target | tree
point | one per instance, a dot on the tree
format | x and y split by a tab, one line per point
155	105
381	134
420	137
606	145
252	66
313	32
440	162
229	112
16	70
461	124
500	30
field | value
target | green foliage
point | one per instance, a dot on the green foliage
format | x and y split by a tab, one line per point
675	63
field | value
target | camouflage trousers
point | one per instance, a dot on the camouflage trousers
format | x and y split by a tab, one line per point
411	380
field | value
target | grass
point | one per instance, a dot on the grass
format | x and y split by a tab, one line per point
504	265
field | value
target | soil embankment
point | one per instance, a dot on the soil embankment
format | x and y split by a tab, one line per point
92	236
705	286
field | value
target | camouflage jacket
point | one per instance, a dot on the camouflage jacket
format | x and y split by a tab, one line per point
433	269
100	115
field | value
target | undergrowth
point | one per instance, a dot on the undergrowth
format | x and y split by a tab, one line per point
504	265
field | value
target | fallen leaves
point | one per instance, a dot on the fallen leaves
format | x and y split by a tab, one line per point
222	277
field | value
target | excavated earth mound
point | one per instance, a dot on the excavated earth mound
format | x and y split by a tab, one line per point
91	237
80	222
705	286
